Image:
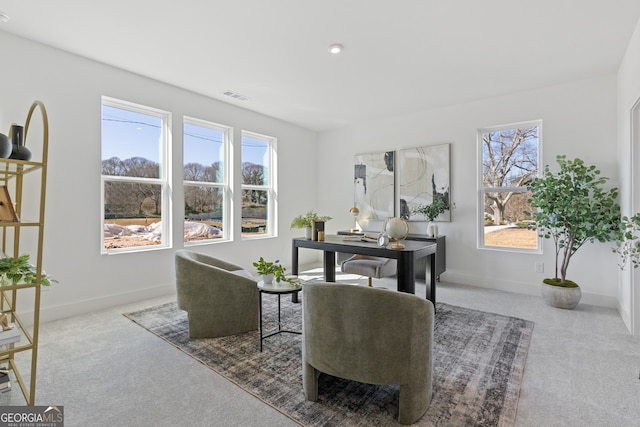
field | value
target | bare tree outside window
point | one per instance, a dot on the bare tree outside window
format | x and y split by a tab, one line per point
134	183
257	185
510	161
206	184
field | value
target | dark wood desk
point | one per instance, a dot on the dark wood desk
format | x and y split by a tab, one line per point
441	252
406	257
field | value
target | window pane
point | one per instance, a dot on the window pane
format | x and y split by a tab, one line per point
132	214
509	157
131	143
204	214
255	161
507	221
203	154
254	212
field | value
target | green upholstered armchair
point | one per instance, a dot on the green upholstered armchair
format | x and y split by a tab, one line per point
220	298
370	335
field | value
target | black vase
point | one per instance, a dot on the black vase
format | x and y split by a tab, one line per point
18	150
5	146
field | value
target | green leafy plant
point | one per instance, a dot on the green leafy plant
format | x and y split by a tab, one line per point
628	241
307	220
433	210
267	267
19	270
273	267
573	208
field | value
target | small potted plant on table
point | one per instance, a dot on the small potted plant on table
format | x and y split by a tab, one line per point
270	270
307	221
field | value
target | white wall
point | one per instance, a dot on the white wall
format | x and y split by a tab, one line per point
629	158
579	120
71	88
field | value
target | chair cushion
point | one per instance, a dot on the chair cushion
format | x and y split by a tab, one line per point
370	266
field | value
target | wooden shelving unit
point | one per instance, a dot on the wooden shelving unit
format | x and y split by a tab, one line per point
13	174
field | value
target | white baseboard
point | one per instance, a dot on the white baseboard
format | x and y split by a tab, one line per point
76	308
524	288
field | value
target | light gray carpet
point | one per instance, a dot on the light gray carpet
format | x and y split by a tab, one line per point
478	366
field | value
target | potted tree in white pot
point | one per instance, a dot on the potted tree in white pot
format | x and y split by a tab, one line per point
573	208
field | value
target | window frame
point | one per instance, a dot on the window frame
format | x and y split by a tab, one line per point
271	188
164	173
483	190
227	222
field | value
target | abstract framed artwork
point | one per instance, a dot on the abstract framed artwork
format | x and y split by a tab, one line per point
374	188
424	173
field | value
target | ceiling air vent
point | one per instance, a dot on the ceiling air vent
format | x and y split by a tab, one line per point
235	95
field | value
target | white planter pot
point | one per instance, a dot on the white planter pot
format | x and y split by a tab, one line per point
267	279
307	233
432	229
560	297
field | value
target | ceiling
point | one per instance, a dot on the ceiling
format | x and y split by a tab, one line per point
399	56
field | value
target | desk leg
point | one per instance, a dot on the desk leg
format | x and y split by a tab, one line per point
430	279
406	274
329	266
260	320
294	259
294	269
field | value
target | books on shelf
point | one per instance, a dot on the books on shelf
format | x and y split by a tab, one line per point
5	384
11	336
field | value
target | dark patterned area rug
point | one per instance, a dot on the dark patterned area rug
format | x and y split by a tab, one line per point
478	363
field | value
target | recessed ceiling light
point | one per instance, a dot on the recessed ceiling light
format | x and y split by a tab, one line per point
335	48
4	17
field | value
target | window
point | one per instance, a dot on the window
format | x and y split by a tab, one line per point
258	185
510	157
135	176
206	181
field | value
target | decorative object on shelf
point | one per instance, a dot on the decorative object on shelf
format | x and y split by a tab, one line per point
270	270
431	212
4	322
397	229
572	208
19	270
5	384
7	212
19	151
307	221
5	146
10	336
